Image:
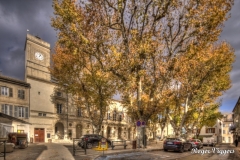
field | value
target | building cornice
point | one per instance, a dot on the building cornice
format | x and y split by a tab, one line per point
14	81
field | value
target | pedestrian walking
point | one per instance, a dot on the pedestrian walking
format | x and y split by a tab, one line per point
236	142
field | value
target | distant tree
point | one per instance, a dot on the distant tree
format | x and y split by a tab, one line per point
201	78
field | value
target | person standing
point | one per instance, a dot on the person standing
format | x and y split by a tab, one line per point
236	142
145	141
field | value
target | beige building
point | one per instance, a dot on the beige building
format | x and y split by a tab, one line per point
214	131
227	122
15	106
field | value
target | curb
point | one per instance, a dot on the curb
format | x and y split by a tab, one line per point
136	150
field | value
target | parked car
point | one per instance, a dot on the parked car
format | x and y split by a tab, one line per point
194	146
209	141
176	144
92	140
198	143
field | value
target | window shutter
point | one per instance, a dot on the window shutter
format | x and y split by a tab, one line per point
19	94
3	108
11	110
15	111
10	92
6	109
23	112
23	94
26	112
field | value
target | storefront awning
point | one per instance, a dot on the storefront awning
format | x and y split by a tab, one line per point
13	118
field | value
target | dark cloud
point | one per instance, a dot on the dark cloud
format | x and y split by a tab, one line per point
231	34
16	16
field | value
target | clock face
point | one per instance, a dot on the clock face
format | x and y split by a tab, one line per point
39	56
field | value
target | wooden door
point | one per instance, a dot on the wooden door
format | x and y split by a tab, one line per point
39	134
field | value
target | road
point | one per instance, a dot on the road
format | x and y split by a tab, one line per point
211	153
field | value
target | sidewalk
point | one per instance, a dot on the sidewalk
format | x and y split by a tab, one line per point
63	151
237	150
40	151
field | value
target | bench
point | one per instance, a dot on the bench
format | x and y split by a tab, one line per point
118	143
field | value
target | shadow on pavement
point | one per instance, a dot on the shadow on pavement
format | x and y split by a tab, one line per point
32	152
79	154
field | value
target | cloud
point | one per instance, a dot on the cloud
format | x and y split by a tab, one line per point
15	18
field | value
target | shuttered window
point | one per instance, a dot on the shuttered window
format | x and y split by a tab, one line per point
21	94
11	110
6	91
210	130
7	109
26	112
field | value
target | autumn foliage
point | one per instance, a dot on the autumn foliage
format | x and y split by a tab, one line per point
161	56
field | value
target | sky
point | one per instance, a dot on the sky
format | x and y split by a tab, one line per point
16	17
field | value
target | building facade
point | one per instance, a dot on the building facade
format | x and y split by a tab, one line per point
214	131
235	128
15	103
227	136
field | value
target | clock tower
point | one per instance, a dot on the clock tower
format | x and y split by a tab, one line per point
37	53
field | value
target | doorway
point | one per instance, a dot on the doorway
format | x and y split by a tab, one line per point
39	134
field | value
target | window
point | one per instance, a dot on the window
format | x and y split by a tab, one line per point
223	125
120	117
59	94
108	116
21	94
224	132
21	112
210	130
223	138
79	112
59	108
42	114
114	116
6	91
7	109
20	131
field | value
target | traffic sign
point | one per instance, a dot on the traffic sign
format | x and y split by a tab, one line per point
139	123
103	143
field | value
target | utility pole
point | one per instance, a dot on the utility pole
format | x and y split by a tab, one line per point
67	115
